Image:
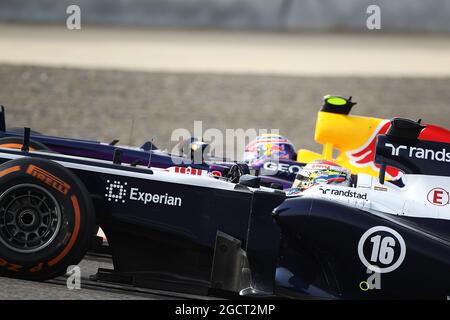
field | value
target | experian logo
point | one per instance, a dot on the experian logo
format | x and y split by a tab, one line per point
420	153
146	197
117	191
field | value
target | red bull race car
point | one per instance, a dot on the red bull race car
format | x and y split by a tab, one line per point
271	157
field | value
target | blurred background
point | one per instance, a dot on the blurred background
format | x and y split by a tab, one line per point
138	69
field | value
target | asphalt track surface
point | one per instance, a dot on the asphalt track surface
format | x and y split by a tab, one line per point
137	84
57	289
138	106
84	99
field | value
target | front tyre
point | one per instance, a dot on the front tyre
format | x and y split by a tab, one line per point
46	219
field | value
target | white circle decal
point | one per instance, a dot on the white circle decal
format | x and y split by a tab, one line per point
384	249
438	197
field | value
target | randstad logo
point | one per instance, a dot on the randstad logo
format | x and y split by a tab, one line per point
420	153
117	191
344	193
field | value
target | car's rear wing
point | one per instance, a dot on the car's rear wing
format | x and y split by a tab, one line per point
401	148
354	137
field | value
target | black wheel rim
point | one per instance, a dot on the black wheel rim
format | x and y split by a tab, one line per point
30	218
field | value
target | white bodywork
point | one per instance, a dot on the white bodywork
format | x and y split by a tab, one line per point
422	196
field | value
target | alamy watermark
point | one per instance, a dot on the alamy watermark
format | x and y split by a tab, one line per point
228	144
73	281
372	282
73	21
373	21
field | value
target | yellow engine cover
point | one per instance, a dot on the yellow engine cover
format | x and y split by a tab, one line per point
354	137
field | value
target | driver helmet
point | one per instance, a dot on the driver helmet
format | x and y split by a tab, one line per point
268	147
322	172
